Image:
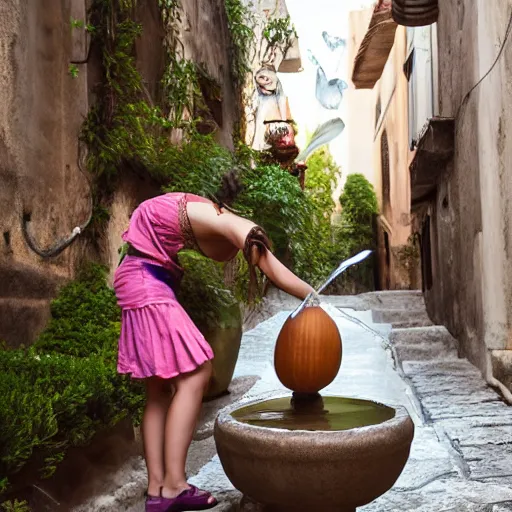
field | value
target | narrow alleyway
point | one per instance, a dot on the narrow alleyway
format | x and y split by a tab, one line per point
460	458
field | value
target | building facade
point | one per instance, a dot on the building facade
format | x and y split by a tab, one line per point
462	184
445	131
378	134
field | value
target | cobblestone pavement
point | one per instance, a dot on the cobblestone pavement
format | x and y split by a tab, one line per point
461	457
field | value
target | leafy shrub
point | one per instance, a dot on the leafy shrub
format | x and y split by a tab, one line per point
359	205
15	506
202	292
195	166
354	232
85	318
296	225
51	402
321	179
65	388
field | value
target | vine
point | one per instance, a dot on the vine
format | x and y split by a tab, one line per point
126	128
241	29
180	80
241	26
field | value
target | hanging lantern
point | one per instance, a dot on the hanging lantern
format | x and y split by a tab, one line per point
308	351
415	13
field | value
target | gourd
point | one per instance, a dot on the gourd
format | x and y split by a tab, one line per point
308	351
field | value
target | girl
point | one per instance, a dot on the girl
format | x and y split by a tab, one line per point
159	342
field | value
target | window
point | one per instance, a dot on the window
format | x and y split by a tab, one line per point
386	182
409	66
378	111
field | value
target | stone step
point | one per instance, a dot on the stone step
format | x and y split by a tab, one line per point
422	335
395	299
401	318
433	351
424	343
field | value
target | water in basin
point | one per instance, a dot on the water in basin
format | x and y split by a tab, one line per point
331	413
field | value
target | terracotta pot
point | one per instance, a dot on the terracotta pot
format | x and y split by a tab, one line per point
225	339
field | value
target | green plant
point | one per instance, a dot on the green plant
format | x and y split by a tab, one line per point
321	179
294	223
202	291
125	129
241	29
85	318
73	70
76	23
354	232
180	84
195	166
279	32
65	388
15	506
358	200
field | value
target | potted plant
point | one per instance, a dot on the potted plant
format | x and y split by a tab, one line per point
216	312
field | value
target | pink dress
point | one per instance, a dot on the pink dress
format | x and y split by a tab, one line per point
158	338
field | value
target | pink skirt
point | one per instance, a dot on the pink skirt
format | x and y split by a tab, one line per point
158	338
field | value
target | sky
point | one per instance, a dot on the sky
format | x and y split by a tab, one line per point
311	18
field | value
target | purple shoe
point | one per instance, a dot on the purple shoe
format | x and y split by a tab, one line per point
157	504
189	499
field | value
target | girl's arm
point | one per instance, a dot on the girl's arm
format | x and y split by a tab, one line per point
282	277
237	230
206	223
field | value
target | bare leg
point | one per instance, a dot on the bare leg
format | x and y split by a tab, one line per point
158	399
180	425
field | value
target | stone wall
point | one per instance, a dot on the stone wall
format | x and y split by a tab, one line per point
41	111
471	236
42	108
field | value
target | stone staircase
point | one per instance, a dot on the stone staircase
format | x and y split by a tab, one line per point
413	335
401	318
424	343
471	422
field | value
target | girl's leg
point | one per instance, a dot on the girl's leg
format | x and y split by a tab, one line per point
158	398
180	425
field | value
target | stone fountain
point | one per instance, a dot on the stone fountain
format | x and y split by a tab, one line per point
308	452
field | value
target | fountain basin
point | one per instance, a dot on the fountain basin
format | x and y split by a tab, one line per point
323	465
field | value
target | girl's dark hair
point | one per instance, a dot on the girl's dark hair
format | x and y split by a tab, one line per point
230	188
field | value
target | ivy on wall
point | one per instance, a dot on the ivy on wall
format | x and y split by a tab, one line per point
241	30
